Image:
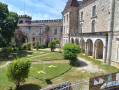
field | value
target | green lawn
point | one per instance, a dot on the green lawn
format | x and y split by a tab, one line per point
3	62
20	54
51	70
53	56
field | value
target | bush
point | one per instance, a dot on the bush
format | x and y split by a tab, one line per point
27	46
52	45
70	52
17	47
7	49
41	46
36	44
17	71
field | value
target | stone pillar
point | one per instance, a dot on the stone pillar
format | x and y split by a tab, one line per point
104	54
93	53
86	48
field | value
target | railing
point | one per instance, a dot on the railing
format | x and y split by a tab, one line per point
90	34
79	85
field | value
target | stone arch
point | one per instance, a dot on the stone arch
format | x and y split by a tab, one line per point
72	40
82	45
77	41
99	49
90	47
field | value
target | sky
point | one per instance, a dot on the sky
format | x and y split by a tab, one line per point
38	9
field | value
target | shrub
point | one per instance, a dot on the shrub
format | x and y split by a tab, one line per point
70	51
17	71
17	47
41	46
36	44
27	46
52	45
7	49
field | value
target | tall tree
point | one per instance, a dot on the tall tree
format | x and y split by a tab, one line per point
8	24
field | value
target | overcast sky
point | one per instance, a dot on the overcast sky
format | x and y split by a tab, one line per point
38	9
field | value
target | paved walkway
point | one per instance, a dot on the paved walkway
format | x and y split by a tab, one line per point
88	66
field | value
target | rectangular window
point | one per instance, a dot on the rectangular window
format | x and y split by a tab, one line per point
55	31
94	11
67	17
64	18
81	15
41	31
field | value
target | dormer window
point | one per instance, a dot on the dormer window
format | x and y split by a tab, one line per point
21	21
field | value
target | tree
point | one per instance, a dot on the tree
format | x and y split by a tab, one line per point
70	52
8	24
19	37
52	44
17	71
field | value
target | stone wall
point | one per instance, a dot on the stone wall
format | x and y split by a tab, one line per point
102	17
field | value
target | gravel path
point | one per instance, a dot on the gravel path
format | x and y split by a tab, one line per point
88	66
5	65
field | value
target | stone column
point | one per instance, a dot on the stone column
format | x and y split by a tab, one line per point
104	54
93	53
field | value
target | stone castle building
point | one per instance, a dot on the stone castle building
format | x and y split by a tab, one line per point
94	25
43	31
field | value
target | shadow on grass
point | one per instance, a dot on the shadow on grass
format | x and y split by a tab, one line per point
75	64
30	87
8	56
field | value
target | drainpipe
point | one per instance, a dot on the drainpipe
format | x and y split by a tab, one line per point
110	34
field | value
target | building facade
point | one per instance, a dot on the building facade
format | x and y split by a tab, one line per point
94	25
43	31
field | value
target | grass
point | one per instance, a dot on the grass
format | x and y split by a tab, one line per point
73	75
19	54
53	56
2	63
51	70
108	69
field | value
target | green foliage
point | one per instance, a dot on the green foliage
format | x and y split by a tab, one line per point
8	24
7	49
70	51
36	44
27	46
17	71
17	47
52	44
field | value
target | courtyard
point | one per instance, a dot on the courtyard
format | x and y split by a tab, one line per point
52	66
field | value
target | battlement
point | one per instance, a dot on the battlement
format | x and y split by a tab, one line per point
25	16
46	21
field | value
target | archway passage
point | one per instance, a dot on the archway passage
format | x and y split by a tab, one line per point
83	46
77	41
90	47
99	49
72	40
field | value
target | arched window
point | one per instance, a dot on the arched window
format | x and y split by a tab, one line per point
21	21
93	26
